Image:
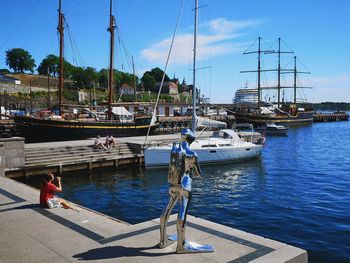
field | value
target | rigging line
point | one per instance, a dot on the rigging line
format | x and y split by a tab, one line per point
251	45
291	60
37	32
120	54
72	7
165	68
303	64
85	15
269	46
121	39
286	45
74	46
19	25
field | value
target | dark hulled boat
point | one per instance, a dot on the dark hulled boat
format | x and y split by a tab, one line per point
60	127
36	129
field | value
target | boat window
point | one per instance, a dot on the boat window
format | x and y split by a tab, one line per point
207	146
221	145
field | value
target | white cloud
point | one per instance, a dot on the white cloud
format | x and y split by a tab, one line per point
218	40
224	26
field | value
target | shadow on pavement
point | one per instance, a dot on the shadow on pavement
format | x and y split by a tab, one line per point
118	251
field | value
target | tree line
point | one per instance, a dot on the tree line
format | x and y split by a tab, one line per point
20	61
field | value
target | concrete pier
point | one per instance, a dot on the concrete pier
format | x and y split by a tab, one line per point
29	233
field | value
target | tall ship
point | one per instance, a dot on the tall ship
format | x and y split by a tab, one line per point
102	121
249	106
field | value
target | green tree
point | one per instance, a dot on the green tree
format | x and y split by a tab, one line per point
84	77
51	62
103	78
20	60
4	71
148	81
157	73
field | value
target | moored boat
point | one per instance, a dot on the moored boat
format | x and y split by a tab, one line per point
223	146
271	128
62	126
256	112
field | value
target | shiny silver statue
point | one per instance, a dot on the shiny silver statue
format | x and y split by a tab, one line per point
182	168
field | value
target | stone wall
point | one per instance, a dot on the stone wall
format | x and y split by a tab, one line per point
12	88
13	155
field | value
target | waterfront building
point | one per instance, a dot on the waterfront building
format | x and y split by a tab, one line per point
246	96
126	89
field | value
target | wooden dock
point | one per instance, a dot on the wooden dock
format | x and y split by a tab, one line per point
66	159
336	116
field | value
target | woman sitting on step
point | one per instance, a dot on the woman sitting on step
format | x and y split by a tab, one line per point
47	198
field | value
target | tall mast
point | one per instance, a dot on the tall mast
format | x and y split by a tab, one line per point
259	74
194	91
60	30
259	51
279	73
111	58
295	80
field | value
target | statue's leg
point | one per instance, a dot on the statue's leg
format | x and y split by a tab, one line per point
185	197
183	245
173	198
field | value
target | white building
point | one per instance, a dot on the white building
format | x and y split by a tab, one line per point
246	96
125	89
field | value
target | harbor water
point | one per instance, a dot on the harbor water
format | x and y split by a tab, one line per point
297	192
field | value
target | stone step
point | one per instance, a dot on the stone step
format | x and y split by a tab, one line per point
72	153
73	161
68	149
79	158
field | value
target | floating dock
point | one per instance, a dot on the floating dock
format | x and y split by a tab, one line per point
29	233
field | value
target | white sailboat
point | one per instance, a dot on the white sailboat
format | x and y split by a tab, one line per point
222	146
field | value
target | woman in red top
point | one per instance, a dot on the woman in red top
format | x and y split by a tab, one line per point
47	198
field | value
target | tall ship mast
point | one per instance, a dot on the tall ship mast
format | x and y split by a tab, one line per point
281	112
60	30
116	121
111	59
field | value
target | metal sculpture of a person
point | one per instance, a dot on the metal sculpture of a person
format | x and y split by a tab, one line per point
182	168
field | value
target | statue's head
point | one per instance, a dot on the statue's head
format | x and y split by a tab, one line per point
187	135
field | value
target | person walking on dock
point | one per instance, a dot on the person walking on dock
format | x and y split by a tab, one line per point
47	198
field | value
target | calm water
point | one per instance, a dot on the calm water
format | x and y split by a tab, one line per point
298	192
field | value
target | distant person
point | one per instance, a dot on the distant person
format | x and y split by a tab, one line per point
110	141
47	198
99	144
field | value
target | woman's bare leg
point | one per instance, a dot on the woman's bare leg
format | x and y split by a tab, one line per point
68	206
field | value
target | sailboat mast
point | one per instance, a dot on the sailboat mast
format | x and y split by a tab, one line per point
194	91
111	60
279	73
259	74
60	30
295	79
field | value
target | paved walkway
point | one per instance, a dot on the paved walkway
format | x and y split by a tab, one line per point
29	233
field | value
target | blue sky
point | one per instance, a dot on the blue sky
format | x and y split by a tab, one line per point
316	30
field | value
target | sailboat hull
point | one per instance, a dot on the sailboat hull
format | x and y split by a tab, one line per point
35	129
157	157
